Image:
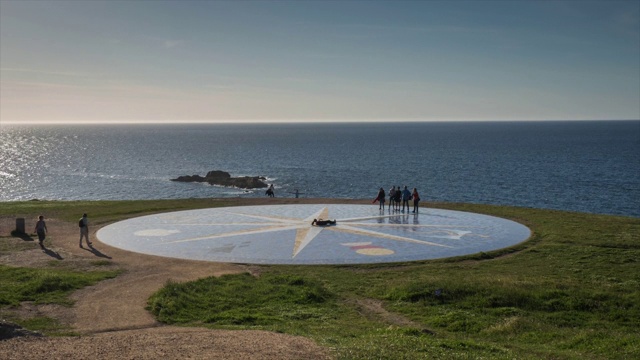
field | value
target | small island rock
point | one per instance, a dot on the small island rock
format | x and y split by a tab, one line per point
223	178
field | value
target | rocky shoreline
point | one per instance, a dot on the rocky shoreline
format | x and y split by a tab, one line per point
223	178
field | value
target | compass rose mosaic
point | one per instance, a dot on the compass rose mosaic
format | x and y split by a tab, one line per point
284	234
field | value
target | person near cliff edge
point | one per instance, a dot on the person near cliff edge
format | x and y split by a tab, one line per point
270	192
84	229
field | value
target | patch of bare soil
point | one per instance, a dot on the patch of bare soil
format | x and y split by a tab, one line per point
110	316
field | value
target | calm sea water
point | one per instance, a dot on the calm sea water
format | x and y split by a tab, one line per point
578	166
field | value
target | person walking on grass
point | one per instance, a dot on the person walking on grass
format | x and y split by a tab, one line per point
41	230
84	229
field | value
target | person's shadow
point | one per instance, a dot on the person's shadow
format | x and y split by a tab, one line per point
27	237
51	253
22	236
97	252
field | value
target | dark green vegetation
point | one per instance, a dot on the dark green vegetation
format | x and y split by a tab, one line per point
267	300
571	291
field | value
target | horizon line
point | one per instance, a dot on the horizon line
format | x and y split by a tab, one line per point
258	122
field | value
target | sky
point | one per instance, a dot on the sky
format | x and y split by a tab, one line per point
193	61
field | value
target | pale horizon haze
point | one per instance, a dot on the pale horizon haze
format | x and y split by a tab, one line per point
279	61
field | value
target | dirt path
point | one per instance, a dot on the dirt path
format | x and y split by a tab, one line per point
119	303
111	315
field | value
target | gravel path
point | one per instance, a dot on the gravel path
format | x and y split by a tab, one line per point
165	342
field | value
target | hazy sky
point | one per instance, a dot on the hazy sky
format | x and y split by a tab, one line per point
324	60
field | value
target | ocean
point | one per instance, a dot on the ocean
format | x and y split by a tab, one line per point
584	166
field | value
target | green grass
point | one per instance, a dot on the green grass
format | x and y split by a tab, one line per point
270	300
45	325
100	212
44	286
7	246
571	292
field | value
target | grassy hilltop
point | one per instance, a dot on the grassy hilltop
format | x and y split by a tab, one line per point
571	291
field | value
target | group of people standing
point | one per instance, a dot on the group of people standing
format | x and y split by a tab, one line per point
398	196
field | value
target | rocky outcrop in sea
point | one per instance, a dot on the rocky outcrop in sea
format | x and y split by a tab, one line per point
223	178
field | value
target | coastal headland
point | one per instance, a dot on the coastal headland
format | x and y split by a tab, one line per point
570	291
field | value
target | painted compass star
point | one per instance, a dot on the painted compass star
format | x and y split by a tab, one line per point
284	234
306	232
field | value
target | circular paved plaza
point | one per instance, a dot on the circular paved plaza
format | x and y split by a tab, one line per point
283	234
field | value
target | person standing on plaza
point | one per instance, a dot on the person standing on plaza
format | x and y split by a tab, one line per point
416	200
41	230
406	196
84	229
398	198
381	196
392	196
